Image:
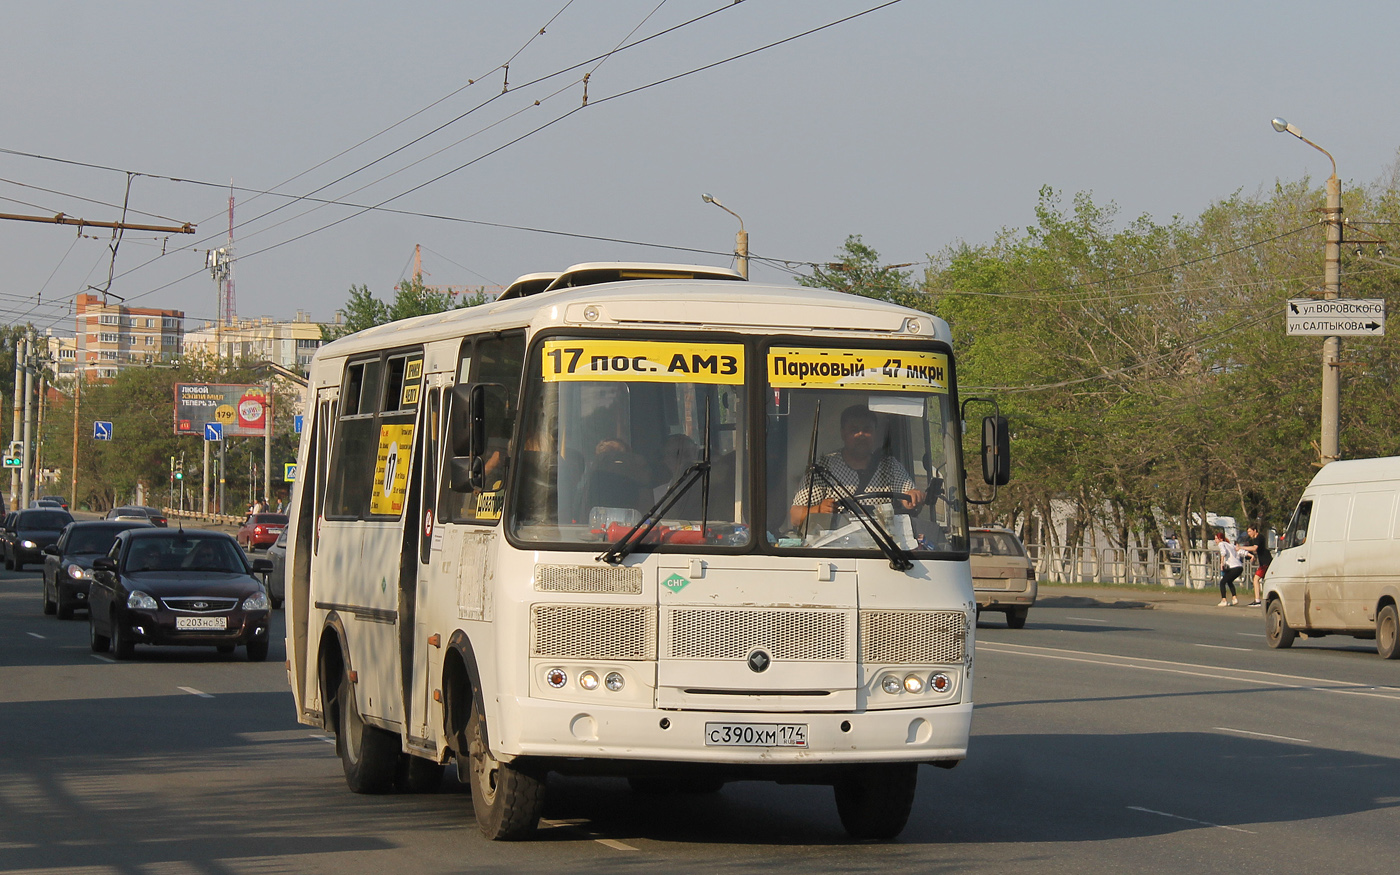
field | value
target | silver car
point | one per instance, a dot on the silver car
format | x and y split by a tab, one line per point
1003	576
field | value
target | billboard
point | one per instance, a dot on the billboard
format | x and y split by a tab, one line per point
243	411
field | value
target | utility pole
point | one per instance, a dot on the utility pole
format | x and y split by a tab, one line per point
77	400
27	472
20	343
1329	448
741	239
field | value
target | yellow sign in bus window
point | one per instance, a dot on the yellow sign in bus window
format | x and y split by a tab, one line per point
391	469
904	370
654	361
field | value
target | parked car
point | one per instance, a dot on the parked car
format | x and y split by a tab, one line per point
1003	576
180	587
63	502
277	577
152	515
261	529
29	531
47	502
6	530
68	563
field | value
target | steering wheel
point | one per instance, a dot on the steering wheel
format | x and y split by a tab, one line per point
880	495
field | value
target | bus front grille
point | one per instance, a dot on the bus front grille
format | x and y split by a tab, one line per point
728	633
588	578
593	632
912	637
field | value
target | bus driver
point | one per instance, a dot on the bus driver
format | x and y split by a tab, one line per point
857	467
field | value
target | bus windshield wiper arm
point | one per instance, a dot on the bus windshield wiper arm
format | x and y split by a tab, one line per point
638	533
899	558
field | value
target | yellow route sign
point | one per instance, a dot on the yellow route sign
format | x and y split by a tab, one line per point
391	469
903	370
651	361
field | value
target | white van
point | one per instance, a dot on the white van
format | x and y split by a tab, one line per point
1339	569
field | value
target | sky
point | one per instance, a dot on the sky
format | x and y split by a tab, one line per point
916	126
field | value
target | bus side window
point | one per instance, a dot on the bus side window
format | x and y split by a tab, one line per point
496	361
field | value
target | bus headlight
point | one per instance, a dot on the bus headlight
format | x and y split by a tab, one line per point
588	680
891	684
940	682
556	677
914	684
614	681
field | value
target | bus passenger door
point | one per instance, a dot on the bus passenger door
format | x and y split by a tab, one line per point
422	652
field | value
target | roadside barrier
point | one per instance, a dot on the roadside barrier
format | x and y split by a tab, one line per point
1193	569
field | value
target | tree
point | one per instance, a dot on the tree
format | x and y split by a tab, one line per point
859	272
411	298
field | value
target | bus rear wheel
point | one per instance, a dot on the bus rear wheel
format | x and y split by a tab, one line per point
875	800
369	755
507	798
1388	633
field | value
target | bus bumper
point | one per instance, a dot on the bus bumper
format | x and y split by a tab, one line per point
560	729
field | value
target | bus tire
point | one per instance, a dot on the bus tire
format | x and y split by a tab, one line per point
1276	629
368	754
417	775
507	798
1016	618
875	800
1388	633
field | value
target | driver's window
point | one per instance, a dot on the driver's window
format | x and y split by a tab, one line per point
1298	526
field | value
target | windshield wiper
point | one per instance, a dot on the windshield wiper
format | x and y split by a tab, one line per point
697	471
637	534
899	558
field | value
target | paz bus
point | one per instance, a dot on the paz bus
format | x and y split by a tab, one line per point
636	520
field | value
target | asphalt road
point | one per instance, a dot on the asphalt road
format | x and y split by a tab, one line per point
1106	740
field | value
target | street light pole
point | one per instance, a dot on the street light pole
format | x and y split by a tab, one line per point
1331	290
741	239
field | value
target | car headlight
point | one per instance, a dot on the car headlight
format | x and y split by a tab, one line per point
77	572
257	602
140	601
29	545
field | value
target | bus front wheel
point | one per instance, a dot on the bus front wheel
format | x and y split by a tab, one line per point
875	800
507	798
368	754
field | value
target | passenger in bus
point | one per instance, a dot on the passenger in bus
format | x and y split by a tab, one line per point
860	468
678	453
614	478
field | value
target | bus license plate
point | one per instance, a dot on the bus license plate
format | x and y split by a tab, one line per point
201	622
756	734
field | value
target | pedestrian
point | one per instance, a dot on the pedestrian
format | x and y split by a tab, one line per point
1230	569
1257	546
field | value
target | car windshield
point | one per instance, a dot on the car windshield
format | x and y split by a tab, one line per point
996	544
875	428
50	519
615	426
91	540
187	553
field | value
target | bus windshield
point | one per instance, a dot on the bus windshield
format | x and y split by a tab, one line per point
862	443
613	426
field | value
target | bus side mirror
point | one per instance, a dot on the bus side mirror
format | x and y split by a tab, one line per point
465	413
468	473
996	450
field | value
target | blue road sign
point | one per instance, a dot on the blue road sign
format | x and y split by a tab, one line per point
213	431
101	431
289	471
296	423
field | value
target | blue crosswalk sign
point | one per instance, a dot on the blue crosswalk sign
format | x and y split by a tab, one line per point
213	431
101	431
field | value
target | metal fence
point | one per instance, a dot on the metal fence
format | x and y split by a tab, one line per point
1195	569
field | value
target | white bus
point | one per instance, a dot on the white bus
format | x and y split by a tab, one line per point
647	521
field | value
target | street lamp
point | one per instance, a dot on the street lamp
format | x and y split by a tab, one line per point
1331	289
741	239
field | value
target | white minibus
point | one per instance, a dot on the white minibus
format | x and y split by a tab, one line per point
648	521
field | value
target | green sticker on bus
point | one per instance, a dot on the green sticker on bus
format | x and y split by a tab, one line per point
675	583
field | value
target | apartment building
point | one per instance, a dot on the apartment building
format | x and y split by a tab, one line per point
110	336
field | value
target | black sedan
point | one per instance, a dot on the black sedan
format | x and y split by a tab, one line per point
29	531
178	586
68	564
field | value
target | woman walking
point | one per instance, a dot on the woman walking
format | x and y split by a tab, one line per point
1230	569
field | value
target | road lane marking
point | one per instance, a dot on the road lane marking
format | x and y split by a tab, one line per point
328	739
193	692
1224	647
35	635
1240	675
615	844
1188	819
1262	734
101	657
1086	619
1251	634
